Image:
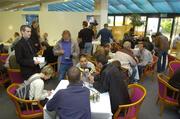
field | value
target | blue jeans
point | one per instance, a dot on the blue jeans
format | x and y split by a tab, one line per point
88	48
63	70
161	66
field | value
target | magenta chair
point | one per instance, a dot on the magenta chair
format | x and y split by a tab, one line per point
173	66
29	112
163	98
15	76
137	95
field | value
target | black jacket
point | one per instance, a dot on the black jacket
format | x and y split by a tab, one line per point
24	53
35	39
111	80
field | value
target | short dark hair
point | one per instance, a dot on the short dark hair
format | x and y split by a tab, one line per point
85	23
117	64
16	34
105	25
74	74
45	44
102	59
82	55
23	27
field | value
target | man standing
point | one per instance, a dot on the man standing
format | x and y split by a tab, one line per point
72	102
85	36
106	35
25	52
67	51
35	36
162	45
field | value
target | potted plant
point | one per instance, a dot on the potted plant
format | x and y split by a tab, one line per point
135	20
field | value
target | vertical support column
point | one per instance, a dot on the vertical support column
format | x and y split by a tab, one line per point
101	7
43	7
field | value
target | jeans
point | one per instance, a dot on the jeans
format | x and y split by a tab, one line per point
63	70
161	65
141	69
88	48
132	77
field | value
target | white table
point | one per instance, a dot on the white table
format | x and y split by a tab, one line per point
99	110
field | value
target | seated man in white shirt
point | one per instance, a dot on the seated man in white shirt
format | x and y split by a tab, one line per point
145	57
128	61
85	66
37	91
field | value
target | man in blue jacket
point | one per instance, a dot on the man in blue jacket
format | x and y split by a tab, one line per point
73	102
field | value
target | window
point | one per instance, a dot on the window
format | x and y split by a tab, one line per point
141	29
111	20
31	18
127	20
118	20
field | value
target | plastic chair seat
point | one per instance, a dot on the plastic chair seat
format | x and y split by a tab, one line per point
30	112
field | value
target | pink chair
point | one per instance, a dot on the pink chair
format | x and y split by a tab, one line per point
137	95
173	66
3	57
15	76
162	93
29	112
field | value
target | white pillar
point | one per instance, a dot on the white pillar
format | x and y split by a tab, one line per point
101	8
43	7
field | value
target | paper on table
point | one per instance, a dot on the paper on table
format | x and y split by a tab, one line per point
39	59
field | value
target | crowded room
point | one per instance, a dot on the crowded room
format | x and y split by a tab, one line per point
90	59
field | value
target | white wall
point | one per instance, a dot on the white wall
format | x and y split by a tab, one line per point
9	23
51	22
55	22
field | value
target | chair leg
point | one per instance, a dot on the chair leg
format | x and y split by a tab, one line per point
161	108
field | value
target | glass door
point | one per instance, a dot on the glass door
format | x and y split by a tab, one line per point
166	26
152	26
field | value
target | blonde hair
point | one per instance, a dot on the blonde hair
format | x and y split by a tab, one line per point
48	70
127	44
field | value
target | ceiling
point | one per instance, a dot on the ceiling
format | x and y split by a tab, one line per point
115	6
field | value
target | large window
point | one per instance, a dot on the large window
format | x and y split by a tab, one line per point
141	29
127	20
176	27
152	26
111	20
30	18
118	20
166	26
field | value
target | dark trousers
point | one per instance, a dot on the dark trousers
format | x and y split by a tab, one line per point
161	65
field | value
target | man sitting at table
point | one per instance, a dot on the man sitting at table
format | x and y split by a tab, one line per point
110	80
85	67
72	102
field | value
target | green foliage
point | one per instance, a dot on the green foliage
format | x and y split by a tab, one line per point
166	26
136	20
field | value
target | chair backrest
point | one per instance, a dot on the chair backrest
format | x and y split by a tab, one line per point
24	108
173	66
137	94
15	76
163	86
3	57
